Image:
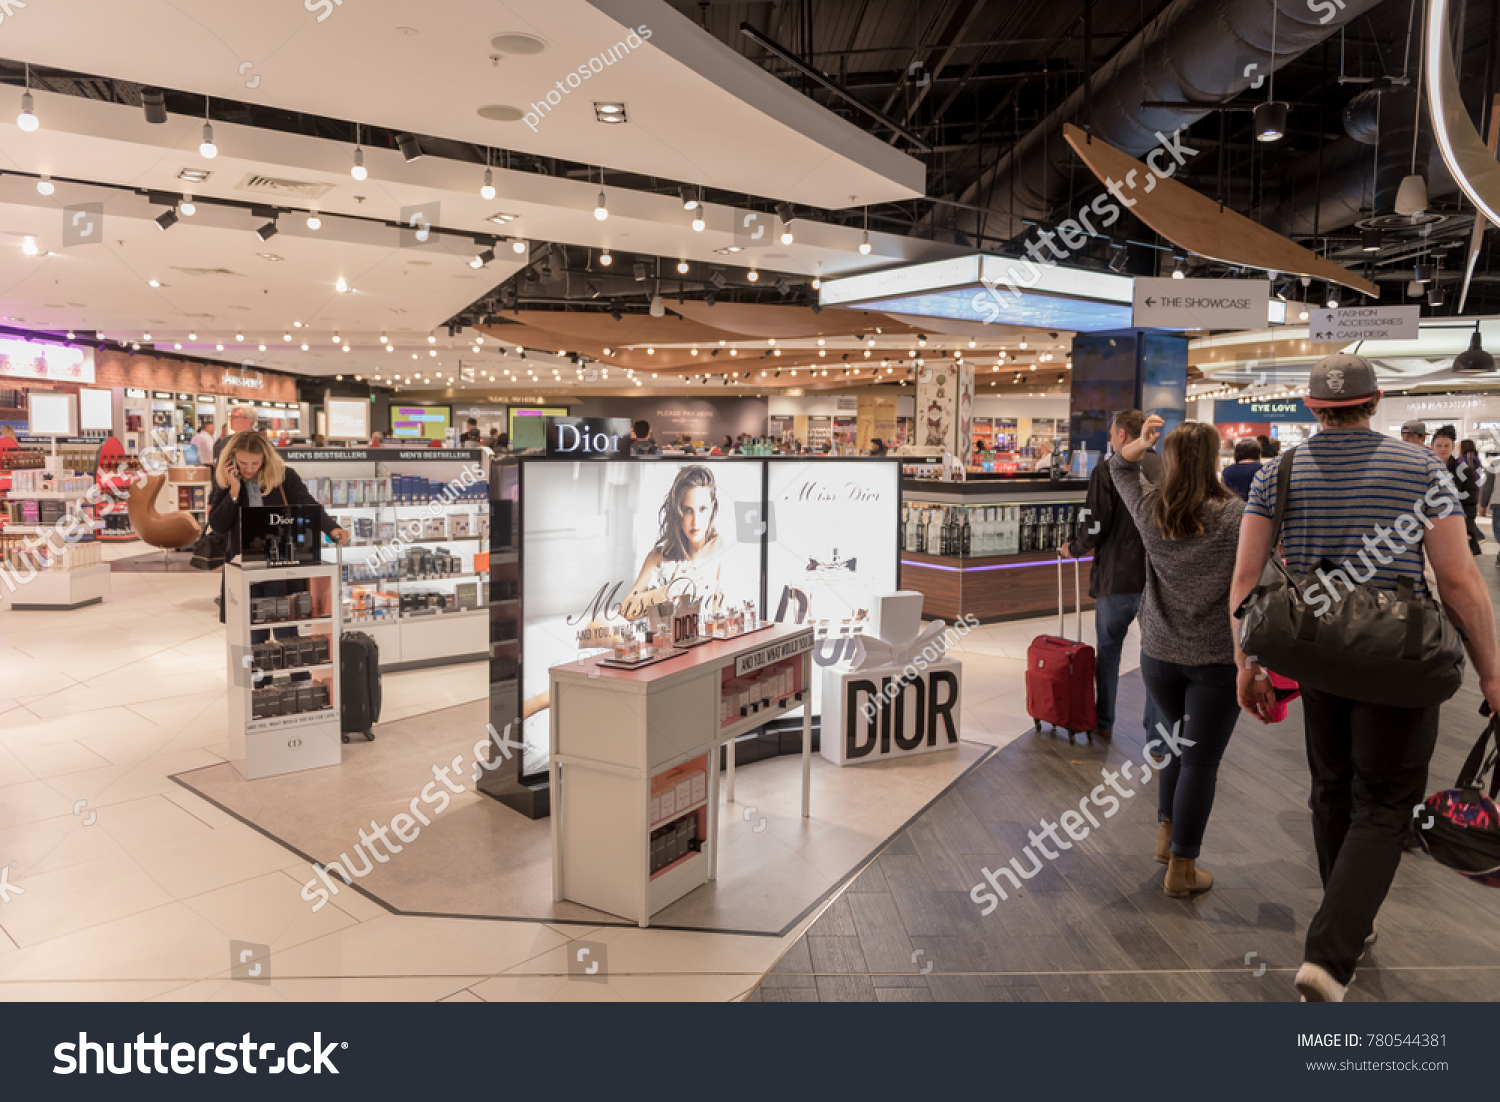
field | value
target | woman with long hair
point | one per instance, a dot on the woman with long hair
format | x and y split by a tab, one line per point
688	544
1190	526
250	474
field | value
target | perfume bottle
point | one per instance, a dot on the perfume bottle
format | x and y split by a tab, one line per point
622	649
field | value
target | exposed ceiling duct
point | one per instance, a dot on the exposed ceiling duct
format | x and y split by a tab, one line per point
1195	52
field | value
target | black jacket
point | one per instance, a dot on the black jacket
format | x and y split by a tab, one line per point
224	511
1108	530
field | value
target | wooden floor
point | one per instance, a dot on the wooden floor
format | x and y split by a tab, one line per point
1095	925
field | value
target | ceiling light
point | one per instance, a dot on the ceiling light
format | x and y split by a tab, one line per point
782	286
1422	273
488	189
239	337
186	207
1180	272
1435	295
30	248
431	339
155	103
286	336
153	283
358	169
304	348
1302	316
1474	361
341	286
410	149
682	267
605	259
1270	121
1117	261
752	275
27	119
314	222
166	220
1370	239
864	243
268	231
786	234
601	210
698	222
690	197
192	336
1333	298
44	186
518	246
1411	196
609	112
218	348
206	147
482	258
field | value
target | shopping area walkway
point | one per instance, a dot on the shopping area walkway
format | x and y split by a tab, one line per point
1095	924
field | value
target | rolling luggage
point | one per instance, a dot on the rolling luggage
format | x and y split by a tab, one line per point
359	685
1060	672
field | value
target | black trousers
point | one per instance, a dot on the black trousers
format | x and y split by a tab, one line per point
1369	769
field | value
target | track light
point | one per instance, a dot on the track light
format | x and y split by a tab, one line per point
410	149
639	270
1371	239
482	258
166	219
268	231
864	243
1117	261
682	267
488	189
1180	272
186	207
752	275
614	312
27	119
601	211
605	260
155	103
342	287
782	286
359	171
518	246
314	222
717	279
691	197
1333	298
206	147
711	299
1270	121
698	222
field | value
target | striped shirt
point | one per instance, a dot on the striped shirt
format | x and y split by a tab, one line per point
1357	497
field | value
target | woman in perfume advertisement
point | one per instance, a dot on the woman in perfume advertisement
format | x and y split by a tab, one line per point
251	474
686	559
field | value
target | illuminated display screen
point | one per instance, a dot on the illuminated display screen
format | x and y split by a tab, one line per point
420	422
1042	311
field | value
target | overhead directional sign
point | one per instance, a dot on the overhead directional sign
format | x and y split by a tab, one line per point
1201	303
1366	323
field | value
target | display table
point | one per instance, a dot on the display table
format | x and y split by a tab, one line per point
635	819
1016	526
282	627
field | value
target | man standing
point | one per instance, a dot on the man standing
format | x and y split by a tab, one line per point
471	434
241	419
203	440
1351	489
641	442
1119	575
1415	432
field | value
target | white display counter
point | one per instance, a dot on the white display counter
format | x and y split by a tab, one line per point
634	763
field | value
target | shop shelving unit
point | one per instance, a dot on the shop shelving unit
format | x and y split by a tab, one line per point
416	619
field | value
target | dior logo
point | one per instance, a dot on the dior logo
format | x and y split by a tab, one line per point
293	743
888	721
277	518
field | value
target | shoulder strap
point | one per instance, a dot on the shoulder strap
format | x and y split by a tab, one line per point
1283	491
1476	765
282	488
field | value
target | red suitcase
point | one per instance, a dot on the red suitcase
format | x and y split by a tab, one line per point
1060	672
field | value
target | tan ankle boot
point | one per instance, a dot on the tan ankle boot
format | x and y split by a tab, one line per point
1185	878
1164	841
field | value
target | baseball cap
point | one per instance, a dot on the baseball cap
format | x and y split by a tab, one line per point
1415	428
1341	380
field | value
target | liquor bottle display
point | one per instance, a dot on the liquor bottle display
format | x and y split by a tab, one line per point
988	531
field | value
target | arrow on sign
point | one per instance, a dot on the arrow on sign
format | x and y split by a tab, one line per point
1150	302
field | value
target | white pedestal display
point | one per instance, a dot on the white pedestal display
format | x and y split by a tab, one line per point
902	696
289	734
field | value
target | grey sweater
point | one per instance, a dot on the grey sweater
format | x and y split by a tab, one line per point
1185	610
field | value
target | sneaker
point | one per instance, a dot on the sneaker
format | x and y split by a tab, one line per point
1317	985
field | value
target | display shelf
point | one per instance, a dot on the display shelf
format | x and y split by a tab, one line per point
47	495
743	725
260	625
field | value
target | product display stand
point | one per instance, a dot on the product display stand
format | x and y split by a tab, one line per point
634	754
283	692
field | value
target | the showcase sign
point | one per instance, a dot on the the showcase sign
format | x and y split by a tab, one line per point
1201	303
1366	323
588	437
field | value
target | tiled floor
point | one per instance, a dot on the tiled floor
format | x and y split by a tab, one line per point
138	894
1095	924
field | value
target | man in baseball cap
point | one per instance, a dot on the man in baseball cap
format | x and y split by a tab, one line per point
1415	432
1351	489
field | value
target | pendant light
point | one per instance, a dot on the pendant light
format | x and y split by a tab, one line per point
27	119
206	147
1270	117
358	171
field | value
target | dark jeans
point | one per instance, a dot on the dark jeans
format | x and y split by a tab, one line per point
1112	619
1369	769
1202	700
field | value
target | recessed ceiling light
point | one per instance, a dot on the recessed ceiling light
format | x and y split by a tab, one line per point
501	112
502	218
609	112
513	43
194	175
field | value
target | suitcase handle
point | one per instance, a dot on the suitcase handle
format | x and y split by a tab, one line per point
1077	597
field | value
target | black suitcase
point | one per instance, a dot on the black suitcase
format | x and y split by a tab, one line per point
359	678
